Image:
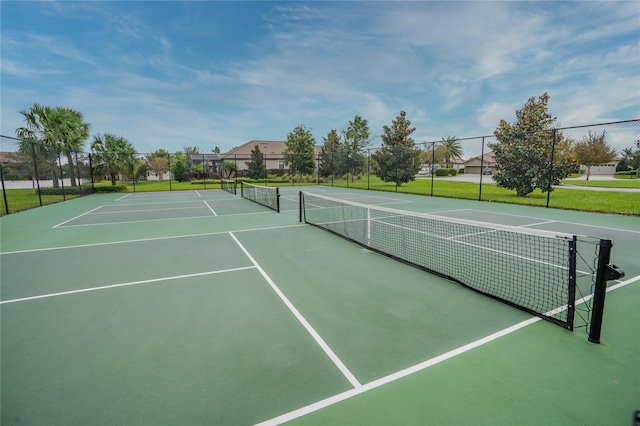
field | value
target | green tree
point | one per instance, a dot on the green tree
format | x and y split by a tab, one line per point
356	138
179	166
398	160
451	150
329	160
593	150
113	155
299	152
191	150
158	161
51	131
229	169
630	158
256	166
434	153
197	170
523	150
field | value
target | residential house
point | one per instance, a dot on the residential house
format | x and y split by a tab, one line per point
482	163
607	169
273	152
15	165
211	162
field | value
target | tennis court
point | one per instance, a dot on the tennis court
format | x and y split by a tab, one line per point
202	307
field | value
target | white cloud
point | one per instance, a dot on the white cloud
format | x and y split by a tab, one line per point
490	114
457	68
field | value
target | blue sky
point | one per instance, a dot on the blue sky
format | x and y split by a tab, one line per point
185	73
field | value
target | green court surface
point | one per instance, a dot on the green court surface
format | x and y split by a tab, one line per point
203	308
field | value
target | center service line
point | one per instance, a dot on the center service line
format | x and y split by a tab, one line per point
343	368
207	204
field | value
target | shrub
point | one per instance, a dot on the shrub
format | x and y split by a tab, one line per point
443	171
276	172
111	188
74	190
631	174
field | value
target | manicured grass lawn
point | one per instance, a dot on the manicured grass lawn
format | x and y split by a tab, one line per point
614	183
619	202
24	199
563	198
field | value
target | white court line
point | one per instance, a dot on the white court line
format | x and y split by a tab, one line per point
122	198
559	221
207	204
539	223
393	377
142	240
74	218
452	211
146	210
105	287
327	350
216	200
199	195
415	368
154	203
134	221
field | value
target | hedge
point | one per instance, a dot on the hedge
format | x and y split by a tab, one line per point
86	189
446	172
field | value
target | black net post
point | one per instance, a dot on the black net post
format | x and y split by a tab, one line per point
300	200
600	291
604	272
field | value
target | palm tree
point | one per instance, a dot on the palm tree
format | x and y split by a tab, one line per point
73	141
451	149
39	138
48	131
113	154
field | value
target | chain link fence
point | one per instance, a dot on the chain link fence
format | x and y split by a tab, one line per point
592	168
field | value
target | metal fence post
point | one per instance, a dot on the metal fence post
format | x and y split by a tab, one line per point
35	167
550	181
4	191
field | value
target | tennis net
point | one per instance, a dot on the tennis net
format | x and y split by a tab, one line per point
529	269
266	195
228	185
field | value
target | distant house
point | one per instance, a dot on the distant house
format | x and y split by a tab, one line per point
15	165
608	169
477	165
211	162
273	152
